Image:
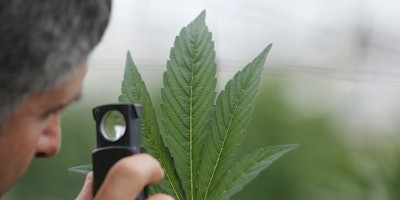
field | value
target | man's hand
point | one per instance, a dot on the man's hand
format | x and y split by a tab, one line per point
126	179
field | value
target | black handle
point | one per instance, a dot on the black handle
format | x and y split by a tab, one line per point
104	158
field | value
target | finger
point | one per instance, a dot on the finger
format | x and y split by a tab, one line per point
127	178
160	197
87	189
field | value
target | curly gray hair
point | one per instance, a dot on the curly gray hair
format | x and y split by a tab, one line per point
42	42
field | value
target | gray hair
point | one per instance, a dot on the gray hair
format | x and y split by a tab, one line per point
42	42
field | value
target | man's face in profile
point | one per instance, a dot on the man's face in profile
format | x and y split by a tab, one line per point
33	129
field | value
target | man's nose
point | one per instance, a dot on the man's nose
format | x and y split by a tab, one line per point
50	140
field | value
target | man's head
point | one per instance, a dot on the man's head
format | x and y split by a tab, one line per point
43	50
43	42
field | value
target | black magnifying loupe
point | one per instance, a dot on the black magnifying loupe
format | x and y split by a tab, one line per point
118	133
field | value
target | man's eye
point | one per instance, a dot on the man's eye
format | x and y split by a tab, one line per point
46	115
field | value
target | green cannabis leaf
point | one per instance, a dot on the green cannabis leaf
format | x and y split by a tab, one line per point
82	169
133	90
199	138
199	133
229	124
246	170
187	100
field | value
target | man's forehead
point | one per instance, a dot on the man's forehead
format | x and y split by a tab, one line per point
68	92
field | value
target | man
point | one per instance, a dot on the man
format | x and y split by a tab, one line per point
43	49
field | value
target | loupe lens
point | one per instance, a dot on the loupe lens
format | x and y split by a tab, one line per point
113	125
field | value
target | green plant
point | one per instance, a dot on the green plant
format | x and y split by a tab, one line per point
199	135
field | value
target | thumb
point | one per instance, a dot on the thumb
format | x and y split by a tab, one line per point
87	189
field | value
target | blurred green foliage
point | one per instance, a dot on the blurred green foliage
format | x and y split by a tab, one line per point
319	169
327	166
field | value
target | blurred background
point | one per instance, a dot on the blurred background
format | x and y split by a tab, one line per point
331	83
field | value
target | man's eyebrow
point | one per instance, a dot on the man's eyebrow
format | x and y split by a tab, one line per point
58	108
76	98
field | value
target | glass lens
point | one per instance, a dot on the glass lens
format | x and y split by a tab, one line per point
113	125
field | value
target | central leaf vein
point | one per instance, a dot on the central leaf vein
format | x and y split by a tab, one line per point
191	125
222	148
